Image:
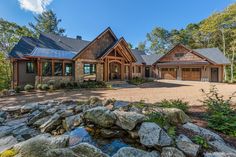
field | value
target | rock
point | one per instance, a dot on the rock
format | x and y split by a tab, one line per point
120	104
24	132
87	150
61	141
41	121
67	113
62	152
171	152
3	114
94	100
209	135
7	142
36	115
12	109
152	135
133	152
183	138
29	107
68	102
133	134
222	146
128	120
49	125
2	120
100	116
5	130
189	148
106	133
219	154
72	121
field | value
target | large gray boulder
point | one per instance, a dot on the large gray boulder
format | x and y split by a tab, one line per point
219	154
171	152
5	130
7	142
61	152
190	149
222	146
51	123
128	120
100	116
36	115
152	135
29	107
72	121
211	136
133	152
87	150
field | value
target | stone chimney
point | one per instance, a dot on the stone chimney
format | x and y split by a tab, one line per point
79	37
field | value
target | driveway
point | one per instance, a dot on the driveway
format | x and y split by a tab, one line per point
150	92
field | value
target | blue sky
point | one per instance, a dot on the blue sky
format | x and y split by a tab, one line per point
129	18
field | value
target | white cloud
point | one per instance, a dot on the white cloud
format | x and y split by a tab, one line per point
36	6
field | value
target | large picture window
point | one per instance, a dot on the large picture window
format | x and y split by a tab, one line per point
68	69
30	67
89	69
58	68
47	69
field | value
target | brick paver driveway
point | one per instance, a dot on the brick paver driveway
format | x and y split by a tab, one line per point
150	92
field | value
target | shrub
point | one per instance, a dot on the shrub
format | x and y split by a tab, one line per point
51	82
28	87
39	86
139	80
92	84
45	87
18	89
75	84
5	92
174	103
200	141
69	85
157	118
8	153
220	115
63	85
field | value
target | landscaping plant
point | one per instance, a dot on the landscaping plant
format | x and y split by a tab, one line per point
174	103
220	114
201	141
139	80
28	87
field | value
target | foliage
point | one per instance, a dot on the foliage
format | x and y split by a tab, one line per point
141	104
69	85
51	82
92	84
45	87
18	89
5	92
220	115
201	141
47	22
142	46
171	131
39	86
174	103
8	153
157	118
139	80
28	87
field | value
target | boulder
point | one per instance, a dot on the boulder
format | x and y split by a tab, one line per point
7	142
41	121
222	146
24	133
29	107
5	130
72	121
36	115
107	133
51	123
189	148
152	135
128	120
209	135
12	109
133	152
3	114
183	138
120	104
219	154
100	116
61	152
61	141
87	150
171	152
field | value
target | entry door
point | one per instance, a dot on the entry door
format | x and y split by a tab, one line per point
214	75
147	72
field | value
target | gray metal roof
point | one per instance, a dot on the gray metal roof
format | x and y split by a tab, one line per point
184	63
138	55
52	53
150	59
27	44
213	54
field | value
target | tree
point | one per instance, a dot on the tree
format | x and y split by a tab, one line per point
130	45
142	46
47	22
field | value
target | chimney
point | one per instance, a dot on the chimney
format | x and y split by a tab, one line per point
79	37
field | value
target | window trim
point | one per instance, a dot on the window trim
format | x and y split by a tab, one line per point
27	70
65	69
90	73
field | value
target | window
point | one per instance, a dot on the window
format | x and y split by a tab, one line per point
89	69
133	69
138	69
30	67
68	69
178	55
58	69
47	68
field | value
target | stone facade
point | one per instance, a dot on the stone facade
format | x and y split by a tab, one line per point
58	79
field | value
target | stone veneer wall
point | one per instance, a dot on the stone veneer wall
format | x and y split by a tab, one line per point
58	79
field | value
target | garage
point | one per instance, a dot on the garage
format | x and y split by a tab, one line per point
169	73
191	74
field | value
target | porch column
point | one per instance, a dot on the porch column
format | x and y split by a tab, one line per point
130	71
106	70
122	70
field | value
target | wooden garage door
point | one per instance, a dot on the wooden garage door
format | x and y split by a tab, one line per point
169	73
191	74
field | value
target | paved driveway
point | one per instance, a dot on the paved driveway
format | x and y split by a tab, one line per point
150	92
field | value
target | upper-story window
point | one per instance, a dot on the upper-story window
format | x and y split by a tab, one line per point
178	55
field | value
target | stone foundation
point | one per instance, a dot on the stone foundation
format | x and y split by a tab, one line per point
58	79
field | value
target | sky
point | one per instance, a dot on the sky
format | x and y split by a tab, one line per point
132	19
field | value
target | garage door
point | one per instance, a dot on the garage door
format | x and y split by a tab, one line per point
169	73
191	74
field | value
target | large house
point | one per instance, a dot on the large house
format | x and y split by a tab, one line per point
107	58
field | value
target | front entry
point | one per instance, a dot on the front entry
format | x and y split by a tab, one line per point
214	75
147	72
115	71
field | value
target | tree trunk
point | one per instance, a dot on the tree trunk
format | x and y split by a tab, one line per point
223	39
232	67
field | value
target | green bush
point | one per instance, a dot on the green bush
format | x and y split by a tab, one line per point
69	85
51	82
157	118
5	92
92	84
63	85
220	115
174	103
45	87
139	80
200	141
28	87
18	89
39	86
75	84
